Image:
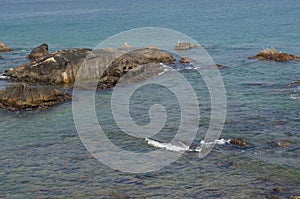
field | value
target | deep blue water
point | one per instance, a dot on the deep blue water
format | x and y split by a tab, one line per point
41	155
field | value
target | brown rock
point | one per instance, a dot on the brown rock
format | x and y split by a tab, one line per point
183	46
273	55
294	197
186	60
38	52
4	47
239	142
22	96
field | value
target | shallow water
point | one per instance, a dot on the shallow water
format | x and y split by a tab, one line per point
41	155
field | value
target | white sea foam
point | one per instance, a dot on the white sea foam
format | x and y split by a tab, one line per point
182	147
167	146
295	96
166	69
3	76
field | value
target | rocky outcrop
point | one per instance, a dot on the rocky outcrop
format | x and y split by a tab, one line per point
4	47
273	55
107	65
183	46
22	96
38	52
54	69
137	64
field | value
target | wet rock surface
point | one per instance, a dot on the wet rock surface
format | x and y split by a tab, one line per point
272	54
38	52
23	96
4	47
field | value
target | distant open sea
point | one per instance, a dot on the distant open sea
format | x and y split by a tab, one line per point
41	155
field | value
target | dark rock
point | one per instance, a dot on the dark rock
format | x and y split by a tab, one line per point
4	47
297	83
277	190
186	60
55	69
183	46
38	52
273	55
22	96
281	143
239	142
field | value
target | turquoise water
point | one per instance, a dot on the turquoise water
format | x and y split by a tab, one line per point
41	155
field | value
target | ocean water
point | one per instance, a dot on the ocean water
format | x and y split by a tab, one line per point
41	155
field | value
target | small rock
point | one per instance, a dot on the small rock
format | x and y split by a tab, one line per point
186	60
38	52
294	197
277	190
4	47
239	142
183	46
273	55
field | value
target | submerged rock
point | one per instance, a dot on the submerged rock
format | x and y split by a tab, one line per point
4	47
281	143
220	66
183	46
22	96
273	55
239	142
38	52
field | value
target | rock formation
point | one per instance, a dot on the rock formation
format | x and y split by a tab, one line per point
183	46
22	96
38	52
54	69
107	65
273	55
4	47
